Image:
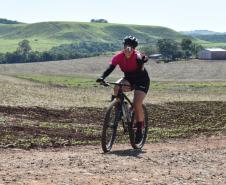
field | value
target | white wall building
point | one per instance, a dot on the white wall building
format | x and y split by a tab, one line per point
212	54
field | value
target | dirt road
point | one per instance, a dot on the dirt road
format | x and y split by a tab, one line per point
194	161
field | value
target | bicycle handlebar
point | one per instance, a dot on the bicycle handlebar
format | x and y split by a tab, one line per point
106	83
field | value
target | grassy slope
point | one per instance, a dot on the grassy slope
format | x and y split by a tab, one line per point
48	34
60	80
209	44
213	38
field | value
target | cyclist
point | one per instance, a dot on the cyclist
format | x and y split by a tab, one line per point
131	62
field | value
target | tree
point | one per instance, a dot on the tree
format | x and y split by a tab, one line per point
24	47
99	20
23	50
168	48
14	57
47	56
34	56
2	58
186	45
148	50
195	49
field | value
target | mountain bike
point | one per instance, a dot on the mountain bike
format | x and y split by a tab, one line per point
121	110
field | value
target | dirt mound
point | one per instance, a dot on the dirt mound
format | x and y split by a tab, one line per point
29	127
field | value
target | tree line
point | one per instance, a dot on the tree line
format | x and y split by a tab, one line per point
170	50
24	53
6	21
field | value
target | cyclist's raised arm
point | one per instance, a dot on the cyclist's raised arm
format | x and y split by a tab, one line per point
141	59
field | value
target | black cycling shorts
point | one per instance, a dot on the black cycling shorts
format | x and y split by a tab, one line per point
139	80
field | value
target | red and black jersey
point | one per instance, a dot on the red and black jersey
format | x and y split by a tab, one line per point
126	65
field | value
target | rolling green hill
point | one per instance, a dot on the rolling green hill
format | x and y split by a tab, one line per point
207	38
218	38
45	35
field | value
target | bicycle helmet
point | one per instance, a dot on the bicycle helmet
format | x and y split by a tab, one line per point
130	41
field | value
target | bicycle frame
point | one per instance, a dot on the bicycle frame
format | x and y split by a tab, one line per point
122	97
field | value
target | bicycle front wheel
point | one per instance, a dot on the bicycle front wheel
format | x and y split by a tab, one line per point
112	118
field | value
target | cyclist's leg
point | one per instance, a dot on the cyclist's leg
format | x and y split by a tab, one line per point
138	101
141	89
139	114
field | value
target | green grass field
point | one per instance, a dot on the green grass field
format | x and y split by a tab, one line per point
69	81
188	86
156	87
214	45
73	81
208	44
37	44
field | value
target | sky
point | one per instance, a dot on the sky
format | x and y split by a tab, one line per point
179	15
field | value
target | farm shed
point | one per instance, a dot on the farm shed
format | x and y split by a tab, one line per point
212	54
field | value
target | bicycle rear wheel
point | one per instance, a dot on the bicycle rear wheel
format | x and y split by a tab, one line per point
112	118
132	131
